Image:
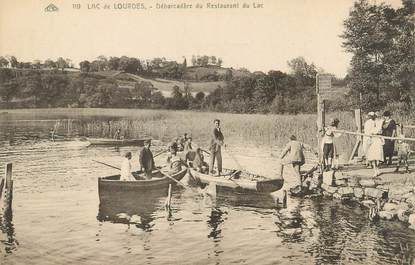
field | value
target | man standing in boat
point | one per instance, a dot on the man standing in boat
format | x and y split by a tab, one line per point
215	148
146	159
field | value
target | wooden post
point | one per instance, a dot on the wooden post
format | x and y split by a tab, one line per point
321	117
1	187
9	186
284	199
359	141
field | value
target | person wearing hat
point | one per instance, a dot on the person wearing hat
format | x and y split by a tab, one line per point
146	159
374	154
388	129
328	146
126	174
368	128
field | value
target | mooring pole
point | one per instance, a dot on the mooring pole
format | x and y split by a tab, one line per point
9	187
321	115
2	179
359	141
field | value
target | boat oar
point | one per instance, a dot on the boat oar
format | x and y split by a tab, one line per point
159	153
175	180
240	168
203	150
108	165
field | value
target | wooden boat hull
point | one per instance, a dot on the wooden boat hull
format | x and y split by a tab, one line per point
158	181
115	142
125	207
241	184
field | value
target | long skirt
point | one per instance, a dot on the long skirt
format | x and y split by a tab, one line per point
375	150
388	147
365	145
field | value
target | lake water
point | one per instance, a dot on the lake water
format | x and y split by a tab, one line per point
57	217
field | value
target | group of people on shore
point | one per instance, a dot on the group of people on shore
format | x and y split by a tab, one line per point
379	150
189	156
376	150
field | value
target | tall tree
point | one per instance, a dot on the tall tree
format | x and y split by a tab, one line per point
114	63
3	62
85	66
13	62
381	40
61	63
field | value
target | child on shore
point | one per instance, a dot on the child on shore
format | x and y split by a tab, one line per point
404	151
329	150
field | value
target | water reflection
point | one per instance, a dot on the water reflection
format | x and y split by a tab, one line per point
132	208
253	199
215	220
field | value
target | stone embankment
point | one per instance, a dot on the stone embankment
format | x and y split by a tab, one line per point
390	196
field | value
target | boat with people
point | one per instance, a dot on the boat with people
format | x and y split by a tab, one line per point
160	180
239	181
116	142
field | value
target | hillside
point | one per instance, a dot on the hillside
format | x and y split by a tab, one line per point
126	80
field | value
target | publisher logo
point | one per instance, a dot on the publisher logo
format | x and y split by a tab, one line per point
51	8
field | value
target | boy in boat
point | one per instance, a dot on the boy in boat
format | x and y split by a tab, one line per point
188	143
174	160
180	144
215	148
126	174
404	151
146	159
188	149
198	162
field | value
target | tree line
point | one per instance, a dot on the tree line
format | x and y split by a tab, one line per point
156	67
381	40
275	91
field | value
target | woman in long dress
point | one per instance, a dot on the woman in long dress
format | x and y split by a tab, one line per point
375	150
368	128
389	129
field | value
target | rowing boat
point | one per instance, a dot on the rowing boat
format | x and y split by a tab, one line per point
159	180
240	181
116	142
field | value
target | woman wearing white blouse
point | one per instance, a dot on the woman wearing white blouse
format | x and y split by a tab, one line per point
126	174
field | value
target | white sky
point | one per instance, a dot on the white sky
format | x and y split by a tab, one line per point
257	39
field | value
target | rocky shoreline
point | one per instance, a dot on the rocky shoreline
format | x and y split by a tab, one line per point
389	197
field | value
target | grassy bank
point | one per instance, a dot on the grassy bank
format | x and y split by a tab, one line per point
262	130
